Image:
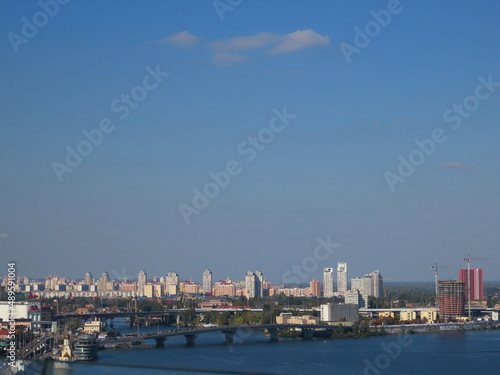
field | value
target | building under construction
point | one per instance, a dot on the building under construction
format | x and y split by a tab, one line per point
451	299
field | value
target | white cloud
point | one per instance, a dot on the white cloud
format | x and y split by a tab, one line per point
224	49
298	40
183	39
228	58
453	165
245	42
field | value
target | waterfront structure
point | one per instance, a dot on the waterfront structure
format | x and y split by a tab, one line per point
93	326
430	315
342	277
335	312
85	349
475	278
315	288
407	315
328	287
451	298
142	280
289	318
207	281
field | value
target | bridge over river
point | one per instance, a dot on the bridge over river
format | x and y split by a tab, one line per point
228	332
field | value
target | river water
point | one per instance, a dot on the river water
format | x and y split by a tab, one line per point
467	353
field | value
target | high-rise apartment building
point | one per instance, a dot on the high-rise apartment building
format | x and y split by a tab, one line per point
371	284
451	298
353	297
328	287
260	284
253	284
142	280
172	283
475	278
342	277
88	280
315	287
225	288
207	281
103	283
377	284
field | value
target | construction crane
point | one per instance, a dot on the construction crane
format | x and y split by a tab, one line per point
468	259
436	268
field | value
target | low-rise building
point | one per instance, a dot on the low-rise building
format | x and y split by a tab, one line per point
386	314
332	312
408	315
93	326
430	315
289	318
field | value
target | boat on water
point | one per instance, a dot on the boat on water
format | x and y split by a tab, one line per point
85	348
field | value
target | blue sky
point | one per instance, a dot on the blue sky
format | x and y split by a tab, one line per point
324	175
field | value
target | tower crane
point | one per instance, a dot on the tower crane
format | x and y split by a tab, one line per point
468	259
436	268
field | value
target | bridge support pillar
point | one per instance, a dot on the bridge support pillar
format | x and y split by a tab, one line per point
190	339
160	341
307	334
274	334
228	336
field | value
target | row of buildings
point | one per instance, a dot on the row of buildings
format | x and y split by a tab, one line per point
253	285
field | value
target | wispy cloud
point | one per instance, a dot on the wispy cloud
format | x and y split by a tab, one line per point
228	58
299	39
279	44
224	49
454	165
184	39
239	43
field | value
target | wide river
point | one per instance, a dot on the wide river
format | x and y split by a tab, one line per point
457	353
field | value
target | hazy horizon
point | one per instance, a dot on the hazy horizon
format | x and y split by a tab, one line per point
175	136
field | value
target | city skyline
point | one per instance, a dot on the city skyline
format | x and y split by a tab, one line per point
185	137
207	278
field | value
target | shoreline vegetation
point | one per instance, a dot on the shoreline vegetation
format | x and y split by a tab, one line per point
363	331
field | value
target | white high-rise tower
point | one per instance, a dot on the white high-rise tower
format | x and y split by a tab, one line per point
328	282
342	277
207	281
142	280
